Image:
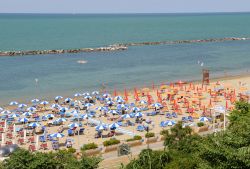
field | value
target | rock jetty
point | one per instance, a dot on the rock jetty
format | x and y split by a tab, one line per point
115	47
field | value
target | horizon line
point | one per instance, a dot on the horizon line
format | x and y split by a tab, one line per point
218	12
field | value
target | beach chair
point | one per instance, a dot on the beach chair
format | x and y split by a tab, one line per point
44	146
8	143
9	135
31	140
32	148
1	130
70	132
190	118
20	141
140	128
55	145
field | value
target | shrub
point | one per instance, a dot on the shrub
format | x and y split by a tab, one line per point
148	135
164	132
200	124
111	142
89	146
71	150
134	138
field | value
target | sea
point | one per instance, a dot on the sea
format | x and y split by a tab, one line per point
23	78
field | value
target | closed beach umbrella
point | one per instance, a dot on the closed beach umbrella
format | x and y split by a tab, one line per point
27	114
57	135
23	120
139	114
95	93
35	101
22	105
5	112
31	109
113	126
58	97
203	119
44	103
50	116
34	125
13	103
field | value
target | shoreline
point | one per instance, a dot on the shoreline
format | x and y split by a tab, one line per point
116	47
131	88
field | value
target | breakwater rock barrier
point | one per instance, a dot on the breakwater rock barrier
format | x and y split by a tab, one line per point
115	47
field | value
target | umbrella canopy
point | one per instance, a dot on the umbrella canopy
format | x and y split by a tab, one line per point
113	126
102	108
1	109
88	105
27	114
170	123
125	116
34	125
44	102
86	94
203	119
85	116
61	119
68	99
100	127
156	105
87	97
22	105
63	109
95	93
13	103
50	116
31	109
108	99
136	109
110	102
55	106
14	115
122	106
143	102
77	95
118	98
58	97
73	125
113	112
139	114
24	120
120	101
57	135
106	95
5	112
35	101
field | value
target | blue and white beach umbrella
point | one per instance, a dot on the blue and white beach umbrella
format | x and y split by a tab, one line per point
44	102
203	119
87	97
106	95
50	116
113	126
22	105
120	101
143	102
13	103
88	105
1	109
139	114
63	109
35	101
121	106
34	125
110	102
55	106
77	95
57	135
14	115
170	123
58	97
27	114
136	109
61	119
86	94
108	99
85	116
156	105
95	93
102	108
5	112
23	120
73	125
100	127
126	116
31	109
68	99
118	98
113	112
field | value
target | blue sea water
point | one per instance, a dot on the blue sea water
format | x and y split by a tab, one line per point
137	66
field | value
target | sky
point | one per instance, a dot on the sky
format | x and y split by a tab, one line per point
123	6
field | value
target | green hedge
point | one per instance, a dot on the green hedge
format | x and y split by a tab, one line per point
89	146
200	124
134	138
148	135
111	142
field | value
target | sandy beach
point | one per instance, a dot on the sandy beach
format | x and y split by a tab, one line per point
191	95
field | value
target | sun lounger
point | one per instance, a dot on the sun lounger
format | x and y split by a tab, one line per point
44	146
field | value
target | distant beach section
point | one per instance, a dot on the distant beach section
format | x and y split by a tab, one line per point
115	47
